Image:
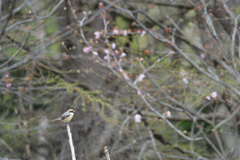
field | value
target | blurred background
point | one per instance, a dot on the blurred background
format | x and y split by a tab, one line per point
149	79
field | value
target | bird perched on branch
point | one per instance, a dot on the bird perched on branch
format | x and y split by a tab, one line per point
66	117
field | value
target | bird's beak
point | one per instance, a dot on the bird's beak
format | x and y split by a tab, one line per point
74	112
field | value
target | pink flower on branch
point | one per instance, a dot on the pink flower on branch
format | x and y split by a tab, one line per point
116	51
106	51
208	98
113	45
125	33
140	77
143	33
137	118
87	49
182	73
214	94
168	113
123	55
8	85
202	56
105	57
120	70
115	31
139	92
97	35
185	80
95	53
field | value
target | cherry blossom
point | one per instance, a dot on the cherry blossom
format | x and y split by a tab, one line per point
116	51
95	53
113	45
182	73
208	98
123	54
139	92
143	33
140	77
87	49
115	31
168	113
106	51
185	80
125	32
120	70
8	85
214	94
137	118
105	57
97	35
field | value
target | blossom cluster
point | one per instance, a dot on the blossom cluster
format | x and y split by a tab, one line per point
212	96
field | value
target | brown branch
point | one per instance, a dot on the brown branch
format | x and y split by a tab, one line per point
168	4
25	47
10	59
6	22
220	12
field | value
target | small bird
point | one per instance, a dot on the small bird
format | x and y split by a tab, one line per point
66	117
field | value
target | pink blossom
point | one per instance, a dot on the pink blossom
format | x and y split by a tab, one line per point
139	92
137	118
97	35
208	98
87	49
105	57
202	56
168	113
113	45
106	51
123	54
8	85
140	77
125	32
214	94
95	53
185	80
84	12
182	73
120	70
116	51
115	31
143	33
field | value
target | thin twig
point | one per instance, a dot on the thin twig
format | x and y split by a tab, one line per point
10	59
106	153
154	144
6	22
71	142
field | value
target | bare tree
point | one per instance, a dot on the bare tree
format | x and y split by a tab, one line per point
148	79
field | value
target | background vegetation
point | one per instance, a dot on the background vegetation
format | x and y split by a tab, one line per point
149	79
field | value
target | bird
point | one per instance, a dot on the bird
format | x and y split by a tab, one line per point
66	117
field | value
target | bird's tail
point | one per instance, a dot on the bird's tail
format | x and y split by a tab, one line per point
56	119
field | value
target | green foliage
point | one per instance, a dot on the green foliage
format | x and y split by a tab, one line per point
51	25
184	125
121	23
121	41
134	44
